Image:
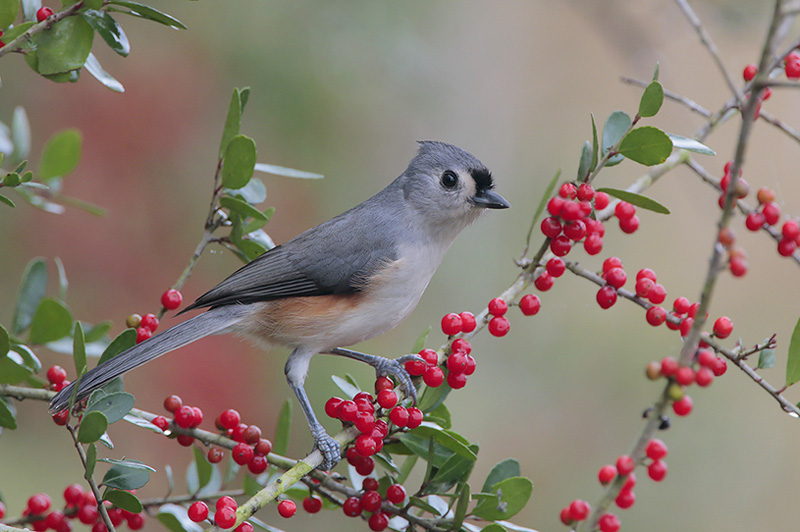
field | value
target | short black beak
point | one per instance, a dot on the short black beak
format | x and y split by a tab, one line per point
490	199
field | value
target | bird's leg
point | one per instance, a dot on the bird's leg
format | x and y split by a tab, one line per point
296	369
385	366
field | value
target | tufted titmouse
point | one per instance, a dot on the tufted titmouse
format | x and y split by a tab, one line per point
342	282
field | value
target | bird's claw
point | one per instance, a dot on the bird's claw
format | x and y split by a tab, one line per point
330	449
397	368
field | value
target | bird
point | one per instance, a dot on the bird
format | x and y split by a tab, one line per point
335	285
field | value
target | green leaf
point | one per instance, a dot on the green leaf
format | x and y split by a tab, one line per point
254	192
233	121
7	419
502	470
61	154
7	201
64	47
585	161
12	369
441	416
127	474
107	28
766	359
493	527
449	440
542	204
286	172
124	341
595	146
51	321
683	143
93	425
5	343
93	4
246	210
147	12
92	66
463	494
513	494
421	447
8	12
95	333
617	124
423	504
20	135
636	199
239	162
17	30
12	180
199	472
433	397
655	72
281	443
63	282
651	101
793	357
91	460
78	349
419	343
29	359
455	469
175	519
646	145
115	406
123	499
347	388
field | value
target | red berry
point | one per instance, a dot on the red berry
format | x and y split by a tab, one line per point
415	368
792	65
460	345
683	407
624	210
497	306
457	363
606	297
754	221
352	507
544	282
366	467
499	326
230	418
601	200
790	229
56	375
560	245
433	376
555	267
669	366
363	401
704	377
468	322
312	504
611	263
657	470
568	191
38	504
242	453
185	440
149	321
55	519
142	334
287	508
787	246
215	455
772	213
225	517
456	380
396	494
657	295
244	527
414	417
378	521
656	449
572	210
551	227
88	514
555	205
197	416
723	327
585	192
184	416
387	398
264	447
625	465
226	501
171	299
575	231
258	464
564	516
451	324
646	273
530	304
593	244
629	225
594	227
198	511
73	495
365	422
625	499
608	523
430	356
749	72
135	522
644	286
43	13
371	501
172	403
347	411
160	422
684	376
470	369
616	277
579	510
399	416
606	474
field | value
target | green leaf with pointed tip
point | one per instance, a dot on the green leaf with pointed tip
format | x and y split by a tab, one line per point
423	504
31	293
78	349
441	416
420	446
651	101
7	419
463	494
123	499
286	172
107	28
419	343
455	469
93	425
448	439
91	460
5	343
348	389
585	161
766	358
124	341
94	68
7	201
97	332
246	210
64	47
29	359
502	470
617	124
202	471
126	474
683	143
61	154
513	494
233	121
646	145
793	357
115	406
51	321
147	12
281	442
655	72
636	199
8	12
239	162
595	146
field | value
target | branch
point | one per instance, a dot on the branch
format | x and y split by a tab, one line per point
16	44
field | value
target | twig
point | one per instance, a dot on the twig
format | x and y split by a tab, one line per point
90	480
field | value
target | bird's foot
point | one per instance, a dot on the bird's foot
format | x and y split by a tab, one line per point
397	368
330	449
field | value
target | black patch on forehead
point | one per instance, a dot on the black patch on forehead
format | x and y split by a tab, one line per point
483	178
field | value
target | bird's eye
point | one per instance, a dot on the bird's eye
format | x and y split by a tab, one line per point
449	179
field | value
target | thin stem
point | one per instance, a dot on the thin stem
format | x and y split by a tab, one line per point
90	480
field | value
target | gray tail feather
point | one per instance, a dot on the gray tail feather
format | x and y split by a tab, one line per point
210	322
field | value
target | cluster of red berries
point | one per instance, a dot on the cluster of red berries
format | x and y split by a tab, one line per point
705	367
224	517
43	13
748	74
371	501
769	214
571	221
57	377
145	325
453	323
460	364
78	505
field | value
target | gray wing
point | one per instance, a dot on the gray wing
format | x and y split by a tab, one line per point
336	257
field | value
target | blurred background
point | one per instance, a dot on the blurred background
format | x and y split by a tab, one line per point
344	89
